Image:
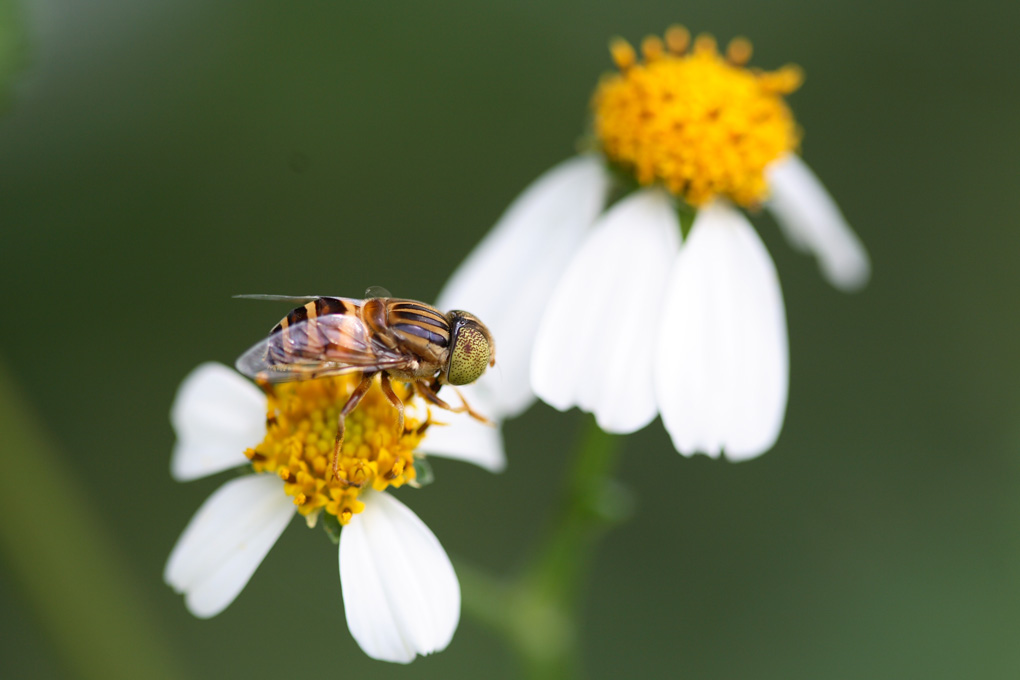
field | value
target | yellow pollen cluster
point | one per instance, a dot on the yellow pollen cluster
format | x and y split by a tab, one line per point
300	436
699	122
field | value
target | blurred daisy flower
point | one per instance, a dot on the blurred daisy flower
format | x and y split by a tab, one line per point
401	596
690	326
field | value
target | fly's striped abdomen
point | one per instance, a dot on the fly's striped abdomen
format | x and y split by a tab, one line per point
316	308
418	325
307	336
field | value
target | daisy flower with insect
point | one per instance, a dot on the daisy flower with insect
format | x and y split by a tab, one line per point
400	593
669	290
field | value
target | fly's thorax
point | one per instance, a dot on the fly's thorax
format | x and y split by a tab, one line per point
416	327
299	442
373	313
418	370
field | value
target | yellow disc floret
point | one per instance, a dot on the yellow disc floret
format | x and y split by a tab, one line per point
299	442
696	121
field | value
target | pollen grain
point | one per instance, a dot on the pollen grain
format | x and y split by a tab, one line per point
299	443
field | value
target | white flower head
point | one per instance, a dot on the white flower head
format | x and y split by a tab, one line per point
401	596
639	321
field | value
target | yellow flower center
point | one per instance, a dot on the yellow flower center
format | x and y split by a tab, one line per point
702	124
300	436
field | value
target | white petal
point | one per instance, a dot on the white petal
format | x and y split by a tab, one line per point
591	350
226	541
507	278
464	438
722	351
812	221
217	414
401	595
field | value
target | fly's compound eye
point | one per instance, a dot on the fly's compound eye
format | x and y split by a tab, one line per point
470	353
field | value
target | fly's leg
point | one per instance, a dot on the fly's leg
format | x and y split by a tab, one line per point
384	381
352	403
430	396
466	408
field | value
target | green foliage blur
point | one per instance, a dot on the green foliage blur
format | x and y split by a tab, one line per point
158	157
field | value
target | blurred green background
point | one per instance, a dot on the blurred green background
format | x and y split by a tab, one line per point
157	158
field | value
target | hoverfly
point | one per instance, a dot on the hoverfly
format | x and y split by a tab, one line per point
405	340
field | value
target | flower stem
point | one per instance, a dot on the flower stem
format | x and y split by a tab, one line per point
64	562
538	611
591	503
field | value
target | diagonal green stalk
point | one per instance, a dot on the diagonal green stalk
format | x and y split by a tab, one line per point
65	563
538	612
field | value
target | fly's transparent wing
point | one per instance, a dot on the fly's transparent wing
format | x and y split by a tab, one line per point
295	299
326	345
292	299
377	292
281	373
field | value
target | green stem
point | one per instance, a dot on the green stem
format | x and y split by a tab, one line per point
538	612
591	503
65	563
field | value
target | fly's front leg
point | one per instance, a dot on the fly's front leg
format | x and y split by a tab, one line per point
429	395
384	382
466	407
352	403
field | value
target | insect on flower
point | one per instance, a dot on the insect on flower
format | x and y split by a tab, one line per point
402	339
400	592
